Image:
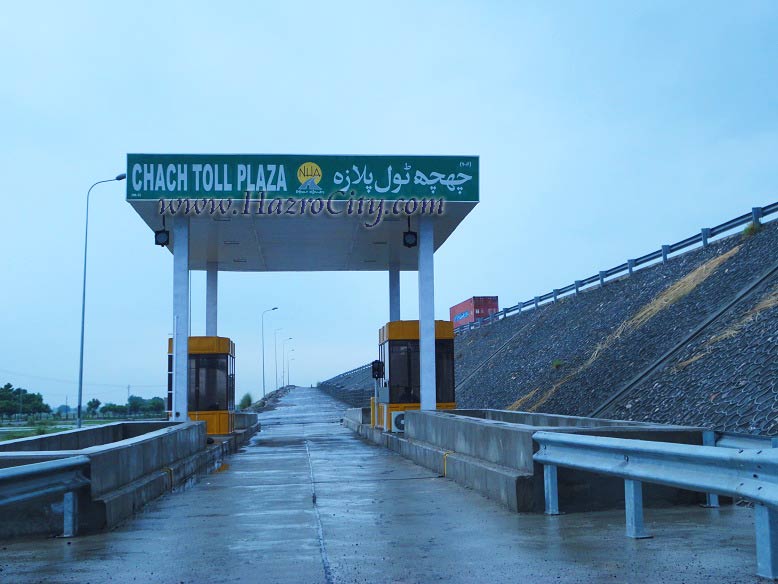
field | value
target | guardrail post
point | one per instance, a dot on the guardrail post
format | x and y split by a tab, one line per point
633	498
709	439
766	524
665	253
556	294
537	301
550	489
630	266
602	278
577	287
70	513
705	236
756	214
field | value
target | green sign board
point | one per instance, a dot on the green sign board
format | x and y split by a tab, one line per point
236	176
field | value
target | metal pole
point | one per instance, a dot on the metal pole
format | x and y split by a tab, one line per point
289	370
766	525
550	489
275	357
70	514
709	439
283	358
263	347
288	360
83	298
633	499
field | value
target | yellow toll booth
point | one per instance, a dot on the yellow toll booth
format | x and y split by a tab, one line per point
399	389
211	382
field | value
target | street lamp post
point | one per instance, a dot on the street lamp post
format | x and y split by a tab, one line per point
283	359
119	177
289	359
263	347
275	357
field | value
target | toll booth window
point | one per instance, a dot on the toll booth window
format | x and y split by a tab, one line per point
170	383
382	358
211	383
230	382
403	371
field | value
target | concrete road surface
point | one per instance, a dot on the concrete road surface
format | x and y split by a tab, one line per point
309	502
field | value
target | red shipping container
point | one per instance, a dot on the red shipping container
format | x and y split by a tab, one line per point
473	309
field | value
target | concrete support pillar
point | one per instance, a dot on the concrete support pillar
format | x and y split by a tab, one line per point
180	318
427	314
211	298
394	294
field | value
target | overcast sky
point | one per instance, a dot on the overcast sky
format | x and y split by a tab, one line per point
604	129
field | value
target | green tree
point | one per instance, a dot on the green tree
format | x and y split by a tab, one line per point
7	400
91	406
11	398
156	405
113	410
135	404
245	402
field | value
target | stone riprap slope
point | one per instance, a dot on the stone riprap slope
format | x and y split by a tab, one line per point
571	356
726	378
354	389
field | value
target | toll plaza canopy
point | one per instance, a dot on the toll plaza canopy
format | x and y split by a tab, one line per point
302	212
267	212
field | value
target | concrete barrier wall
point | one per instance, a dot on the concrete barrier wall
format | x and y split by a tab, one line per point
494	457
359	415
84	437
549	420
124	475
497	442
120	463
245	420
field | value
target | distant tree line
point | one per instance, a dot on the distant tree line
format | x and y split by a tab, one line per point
15	400
135	406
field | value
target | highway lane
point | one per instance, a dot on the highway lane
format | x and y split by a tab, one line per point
307	501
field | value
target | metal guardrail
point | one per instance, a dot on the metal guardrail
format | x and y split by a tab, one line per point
748	473
703	237
54	477
745	441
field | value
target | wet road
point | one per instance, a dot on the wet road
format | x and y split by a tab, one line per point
375	517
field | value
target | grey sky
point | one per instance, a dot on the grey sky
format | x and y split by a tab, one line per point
604	129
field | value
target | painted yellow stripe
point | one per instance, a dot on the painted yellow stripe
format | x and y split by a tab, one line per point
445	459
